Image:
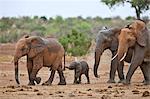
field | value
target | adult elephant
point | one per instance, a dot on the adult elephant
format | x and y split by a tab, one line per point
108	39
40	52
136	36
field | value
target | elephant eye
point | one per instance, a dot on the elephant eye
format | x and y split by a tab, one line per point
129	40
22	49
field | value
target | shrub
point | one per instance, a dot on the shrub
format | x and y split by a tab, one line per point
8	37
130	18
76	43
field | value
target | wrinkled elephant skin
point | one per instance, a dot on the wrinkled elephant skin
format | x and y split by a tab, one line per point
40	53
136	36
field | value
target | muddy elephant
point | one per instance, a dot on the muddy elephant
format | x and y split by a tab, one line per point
108	39
40	53
137	37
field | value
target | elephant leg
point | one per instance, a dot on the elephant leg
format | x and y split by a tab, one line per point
147	74
37	65
136	61
87	76
76	76
50	80
75	80
131	71
113	69
29	68
62	78
145	67
79	82
33	75
120	71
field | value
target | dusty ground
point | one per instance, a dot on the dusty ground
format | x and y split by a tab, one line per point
96	90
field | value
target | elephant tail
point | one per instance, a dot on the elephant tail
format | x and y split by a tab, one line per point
64	60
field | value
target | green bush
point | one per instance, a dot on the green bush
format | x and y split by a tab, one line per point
76	43
130	18
8	37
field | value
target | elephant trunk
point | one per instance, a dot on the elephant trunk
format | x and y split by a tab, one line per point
122	51
16	69
69	68
97	61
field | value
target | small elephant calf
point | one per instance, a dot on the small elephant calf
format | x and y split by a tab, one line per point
79	68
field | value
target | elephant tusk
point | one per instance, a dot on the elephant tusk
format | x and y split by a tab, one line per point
114	56
76	59
123	57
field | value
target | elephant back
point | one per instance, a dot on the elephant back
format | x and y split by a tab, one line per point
53	45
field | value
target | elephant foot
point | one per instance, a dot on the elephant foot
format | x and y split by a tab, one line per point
121	81
125	82
38	80
88	82
143	81
78	82
47	83
75	83
146	82
31	84
62	83
111	81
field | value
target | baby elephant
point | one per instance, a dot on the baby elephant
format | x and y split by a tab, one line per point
79	68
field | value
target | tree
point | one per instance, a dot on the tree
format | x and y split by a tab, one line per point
140	6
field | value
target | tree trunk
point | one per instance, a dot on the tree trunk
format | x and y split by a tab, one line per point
138	12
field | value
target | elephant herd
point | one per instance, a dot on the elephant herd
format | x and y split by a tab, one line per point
130	44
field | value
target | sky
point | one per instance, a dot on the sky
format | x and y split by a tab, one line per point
65	8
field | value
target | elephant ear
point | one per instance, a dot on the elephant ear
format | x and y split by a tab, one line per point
139	30
78	66
114	44
37	45
142	37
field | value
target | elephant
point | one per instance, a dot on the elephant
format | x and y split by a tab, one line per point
79	67
108	39
137	37
40	52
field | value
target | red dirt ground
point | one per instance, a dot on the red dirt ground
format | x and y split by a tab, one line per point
98	89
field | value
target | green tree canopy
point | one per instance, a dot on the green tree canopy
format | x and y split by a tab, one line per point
140	6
